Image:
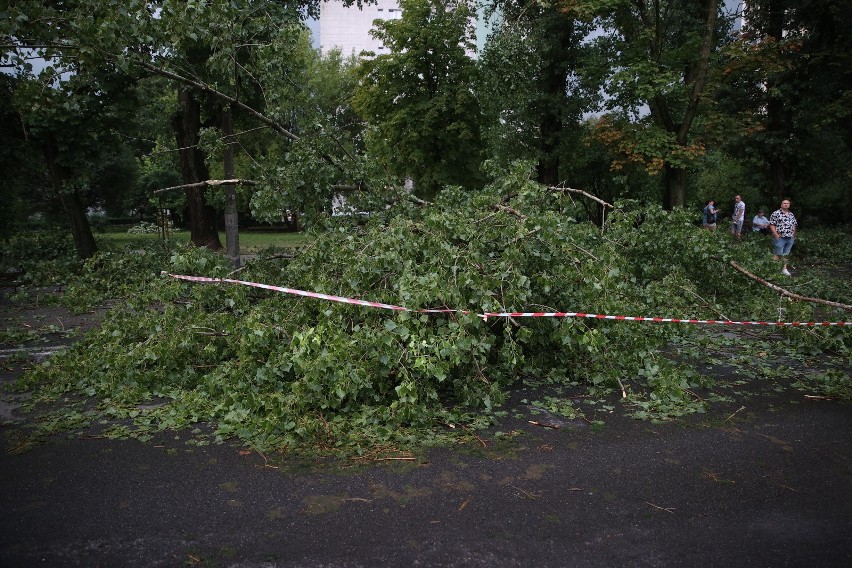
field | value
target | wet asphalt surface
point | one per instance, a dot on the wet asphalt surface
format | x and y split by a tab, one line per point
769	485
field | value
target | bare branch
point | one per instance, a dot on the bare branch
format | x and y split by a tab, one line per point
207	183
581	192
508	209
221	96
789	294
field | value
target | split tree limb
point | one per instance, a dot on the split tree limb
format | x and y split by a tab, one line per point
207	183
787	293
506	208
219	95
581	192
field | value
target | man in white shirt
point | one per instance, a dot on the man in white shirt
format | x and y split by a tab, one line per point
738	217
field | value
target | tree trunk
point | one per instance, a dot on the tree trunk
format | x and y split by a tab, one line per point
777	179
675	191
694	78
547	170
84	241
232	231
72	204
777	120
777	130
555	105
202	217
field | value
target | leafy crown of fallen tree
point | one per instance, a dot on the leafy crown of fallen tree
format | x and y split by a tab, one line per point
287	371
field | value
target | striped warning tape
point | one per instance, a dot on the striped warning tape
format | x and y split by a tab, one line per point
319	295
487	315
662	320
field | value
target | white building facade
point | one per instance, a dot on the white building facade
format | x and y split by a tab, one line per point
349	28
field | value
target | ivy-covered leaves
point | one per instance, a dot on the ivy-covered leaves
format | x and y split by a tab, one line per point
283	371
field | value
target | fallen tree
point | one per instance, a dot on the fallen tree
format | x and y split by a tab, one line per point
288	371
788	293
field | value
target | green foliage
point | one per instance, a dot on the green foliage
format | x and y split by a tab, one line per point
144	228
423	117
39	258
282	371
533	90
834	383
830	245
782	105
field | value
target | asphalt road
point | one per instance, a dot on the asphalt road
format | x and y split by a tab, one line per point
772	489
767	485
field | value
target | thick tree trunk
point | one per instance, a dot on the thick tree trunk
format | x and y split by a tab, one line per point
777	119
202	217
777	178
675	191
554	85
547	170
72	204
777	130
695	77
84	241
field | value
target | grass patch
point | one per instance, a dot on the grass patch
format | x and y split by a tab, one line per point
250	242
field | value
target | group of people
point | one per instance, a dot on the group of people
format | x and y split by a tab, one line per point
781	225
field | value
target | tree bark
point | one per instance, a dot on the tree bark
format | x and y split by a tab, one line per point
695	77
559	61
675	190
202	217
84	241
777	123
232	231
72	204
787	293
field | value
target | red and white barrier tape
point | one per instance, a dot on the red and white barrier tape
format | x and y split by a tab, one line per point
296	292
487	315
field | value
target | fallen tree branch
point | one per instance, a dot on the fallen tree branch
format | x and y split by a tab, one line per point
219	95
543	425
207	183
666	509
581	192
706	303
506	208
787	293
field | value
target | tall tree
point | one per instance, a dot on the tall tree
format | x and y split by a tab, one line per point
219	52
794	66
661	53
423	116
71	120
532	90
20	182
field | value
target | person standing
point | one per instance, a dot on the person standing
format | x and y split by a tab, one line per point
760	223
710	215
738	217
783	225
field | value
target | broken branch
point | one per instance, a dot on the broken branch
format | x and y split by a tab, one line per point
787	293
207	183
581	192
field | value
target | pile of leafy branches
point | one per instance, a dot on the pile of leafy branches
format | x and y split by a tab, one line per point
39	257
284	371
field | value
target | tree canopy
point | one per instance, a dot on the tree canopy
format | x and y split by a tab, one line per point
424	120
